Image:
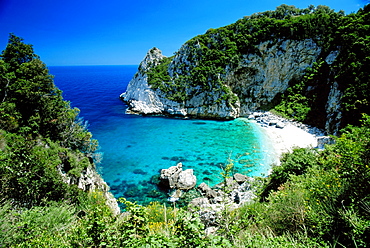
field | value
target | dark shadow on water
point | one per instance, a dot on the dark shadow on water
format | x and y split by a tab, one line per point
199	123
142	193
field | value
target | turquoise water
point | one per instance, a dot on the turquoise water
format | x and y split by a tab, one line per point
136	148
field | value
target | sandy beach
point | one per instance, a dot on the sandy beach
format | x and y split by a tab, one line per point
290	137
287	135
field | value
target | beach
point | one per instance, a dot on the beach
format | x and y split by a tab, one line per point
285	135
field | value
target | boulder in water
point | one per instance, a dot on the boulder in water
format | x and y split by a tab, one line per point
175	178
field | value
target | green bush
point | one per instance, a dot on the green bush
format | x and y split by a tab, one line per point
295	163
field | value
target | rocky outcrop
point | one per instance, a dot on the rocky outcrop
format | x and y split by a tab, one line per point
333	111
89	180
229	195
176	181
143	99
254	82
176	178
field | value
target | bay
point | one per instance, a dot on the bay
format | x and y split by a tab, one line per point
136	148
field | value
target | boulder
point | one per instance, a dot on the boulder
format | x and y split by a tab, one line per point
200	202
280	124
273	122
231	184
207	191
175	178
186	180
170	176
240	178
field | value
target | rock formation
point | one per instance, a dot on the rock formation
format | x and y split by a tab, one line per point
176	178
257	79
237	191
262	75
90	180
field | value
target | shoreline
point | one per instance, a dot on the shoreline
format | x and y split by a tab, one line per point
284	135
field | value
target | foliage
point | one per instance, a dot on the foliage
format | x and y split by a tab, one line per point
313	199
291	165
204	63
320	194
38	226
29	173
41	136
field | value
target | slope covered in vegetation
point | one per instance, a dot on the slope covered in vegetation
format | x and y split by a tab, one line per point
221	60
314	199
40	133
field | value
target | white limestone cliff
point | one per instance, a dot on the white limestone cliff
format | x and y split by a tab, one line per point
262	75
143	99
257	79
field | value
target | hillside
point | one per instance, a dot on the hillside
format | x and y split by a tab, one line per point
52	196
307	64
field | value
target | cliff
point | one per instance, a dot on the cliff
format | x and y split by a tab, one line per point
144	99
256	81
297	65
89	180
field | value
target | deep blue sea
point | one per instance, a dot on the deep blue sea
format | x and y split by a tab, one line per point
135	148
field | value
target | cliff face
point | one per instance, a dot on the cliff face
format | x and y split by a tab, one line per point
89	180
256	80
262	75
143	99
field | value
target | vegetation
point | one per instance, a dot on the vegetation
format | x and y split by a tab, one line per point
40	134
207	59
314	199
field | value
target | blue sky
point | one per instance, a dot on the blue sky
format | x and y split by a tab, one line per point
120	32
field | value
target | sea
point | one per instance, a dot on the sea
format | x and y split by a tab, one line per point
135	148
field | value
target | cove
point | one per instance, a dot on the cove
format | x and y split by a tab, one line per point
136	148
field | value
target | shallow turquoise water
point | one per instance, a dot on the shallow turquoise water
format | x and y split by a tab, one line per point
135	148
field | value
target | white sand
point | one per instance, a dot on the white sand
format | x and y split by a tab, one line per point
286	139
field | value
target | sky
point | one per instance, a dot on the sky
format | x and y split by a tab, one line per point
120	32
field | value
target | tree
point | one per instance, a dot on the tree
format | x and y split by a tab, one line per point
17	52
41	136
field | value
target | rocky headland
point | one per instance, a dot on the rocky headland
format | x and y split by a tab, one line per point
253	84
